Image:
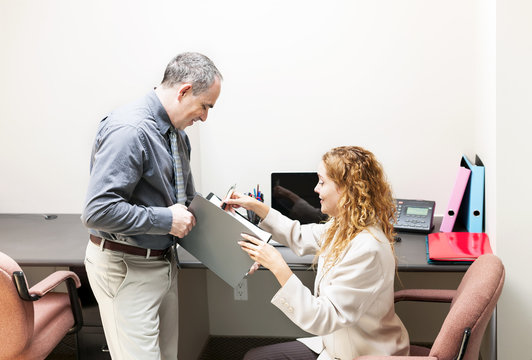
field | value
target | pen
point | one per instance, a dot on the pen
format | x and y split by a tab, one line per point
228	195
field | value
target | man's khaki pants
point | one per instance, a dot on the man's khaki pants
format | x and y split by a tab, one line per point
137	298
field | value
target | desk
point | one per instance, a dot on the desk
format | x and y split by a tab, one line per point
39	240
42	240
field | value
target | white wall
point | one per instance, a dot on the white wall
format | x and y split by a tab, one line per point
514	96
300	77
396	77
485	126
485	105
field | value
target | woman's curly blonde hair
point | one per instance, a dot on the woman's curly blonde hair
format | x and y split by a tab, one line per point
366	199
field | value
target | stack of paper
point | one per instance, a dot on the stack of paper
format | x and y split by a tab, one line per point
456	247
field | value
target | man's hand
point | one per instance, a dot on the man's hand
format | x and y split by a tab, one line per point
182	220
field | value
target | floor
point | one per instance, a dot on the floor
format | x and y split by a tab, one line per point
217	347
234	348
66	350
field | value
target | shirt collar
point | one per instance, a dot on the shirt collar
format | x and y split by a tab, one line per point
159	112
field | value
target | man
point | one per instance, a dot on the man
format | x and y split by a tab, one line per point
140	182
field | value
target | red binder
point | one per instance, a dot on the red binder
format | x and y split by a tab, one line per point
457	246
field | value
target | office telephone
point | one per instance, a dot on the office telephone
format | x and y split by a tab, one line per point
414	215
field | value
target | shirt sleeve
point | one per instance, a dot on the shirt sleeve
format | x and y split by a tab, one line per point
346	296
302	239
117	166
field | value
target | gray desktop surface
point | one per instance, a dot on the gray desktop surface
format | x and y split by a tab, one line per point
32	240
411	252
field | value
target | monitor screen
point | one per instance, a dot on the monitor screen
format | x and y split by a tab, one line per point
293	195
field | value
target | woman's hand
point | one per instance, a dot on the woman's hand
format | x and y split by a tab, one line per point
247	202
253	268
267	256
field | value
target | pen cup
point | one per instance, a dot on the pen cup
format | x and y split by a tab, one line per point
252	217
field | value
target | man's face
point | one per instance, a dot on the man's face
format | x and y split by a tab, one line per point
191	108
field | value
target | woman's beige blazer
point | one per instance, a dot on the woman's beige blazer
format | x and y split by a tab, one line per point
352	308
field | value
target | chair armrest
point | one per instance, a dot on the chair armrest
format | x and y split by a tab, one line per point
49	283
72	283
52	281
428	295
378	357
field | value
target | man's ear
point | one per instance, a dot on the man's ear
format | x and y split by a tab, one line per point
183	90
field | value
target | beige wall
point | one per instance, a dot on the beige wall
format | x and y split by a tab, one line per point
256	316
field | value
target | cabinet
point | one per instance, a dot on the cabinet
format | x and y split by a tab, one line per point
91	338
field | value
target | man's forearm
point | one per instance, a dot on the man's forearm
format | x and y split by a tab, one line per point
127	219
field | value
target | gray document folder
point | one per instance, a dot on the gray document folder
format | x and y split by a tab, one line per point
213	240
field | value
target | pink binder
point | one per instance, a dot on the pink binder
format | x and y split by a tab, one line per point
460	184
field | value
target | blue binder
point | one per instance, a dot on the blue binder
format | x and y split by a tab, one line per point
472	209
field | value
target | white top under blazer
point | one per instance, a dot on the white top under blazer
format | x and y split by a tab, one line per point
352	310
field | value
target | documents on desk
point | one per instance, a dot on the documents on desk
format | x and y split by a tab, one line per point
213	240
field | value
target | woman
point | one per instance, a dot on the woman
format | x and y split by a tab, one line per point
352	309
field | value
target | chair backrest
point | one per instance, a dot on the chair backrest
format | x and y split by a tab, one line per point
472	308
16	315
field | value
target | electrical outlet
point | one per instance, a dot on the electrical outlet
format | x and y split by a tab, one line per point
241	290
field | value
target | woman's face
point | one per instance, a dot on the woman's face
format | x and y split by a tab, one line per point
328	192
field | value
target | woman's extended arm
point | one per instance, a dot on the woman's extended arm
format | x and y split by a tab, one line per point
267	256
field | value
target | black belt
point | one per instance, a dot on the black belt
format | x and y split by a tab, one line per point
128	249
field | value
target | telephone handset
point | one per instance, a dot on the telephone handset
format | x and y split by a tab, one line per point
414	215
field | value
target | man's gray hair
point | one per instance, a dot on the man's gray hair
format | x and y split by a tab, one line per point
193	68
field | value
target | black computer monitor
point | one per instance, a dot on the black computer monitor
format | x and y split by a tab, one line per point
293	195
